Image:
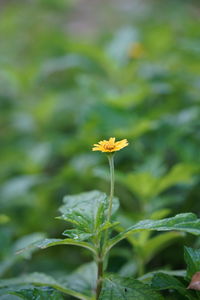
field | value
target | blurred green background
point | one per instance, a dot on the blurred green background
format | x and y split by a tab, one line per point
75	72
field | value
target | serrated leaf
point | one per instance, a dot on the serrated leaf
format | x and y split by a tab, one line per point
86	204
87	212
30	293
79	235
186	222
40	279
192	259
118	288
82	280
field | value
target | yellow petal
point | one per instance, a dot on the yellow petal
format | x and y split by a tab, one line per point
112	140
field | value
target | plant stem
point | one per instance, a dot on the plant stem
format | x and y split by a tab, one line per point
112	180
99	278
141	269
100	261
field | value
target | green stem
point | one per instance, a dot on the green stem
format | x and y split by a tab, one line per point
141	269
112	180
99	278
101	259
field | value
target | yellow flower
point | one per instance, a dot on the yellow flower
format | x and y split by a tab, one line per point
136	50
110	145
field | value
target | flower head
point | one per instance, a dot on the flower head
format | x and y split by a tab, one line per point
110	145
136	50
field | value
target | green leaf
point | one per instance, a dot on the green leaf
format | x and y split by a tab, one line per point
11	257
134	131
108	225
4	219
77	234
192	259
180	173
163	281
11	297
86	204
87	212
159	242
143	184
118	288
83	279
68	63
159	214
186	222
46	243
146	186
39	279
25	241
149	276
129	269
94	53
31	292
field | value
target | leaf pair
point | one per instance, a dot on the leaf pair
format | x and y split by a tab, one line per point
80	285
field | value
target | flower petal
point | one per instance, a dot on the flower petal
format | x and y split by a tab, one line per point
111	140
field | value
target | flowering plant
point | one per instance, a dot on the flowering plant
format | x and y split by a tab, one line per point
92	224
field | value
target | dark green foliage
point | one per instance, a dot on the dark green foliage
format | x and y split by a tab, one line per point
162	281
117	288
167	282
192	259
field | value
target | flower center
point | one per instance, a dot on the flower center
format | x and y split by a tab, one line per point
109	146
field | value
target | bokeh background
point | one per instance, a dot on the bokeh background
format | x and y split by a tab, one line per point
73	73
